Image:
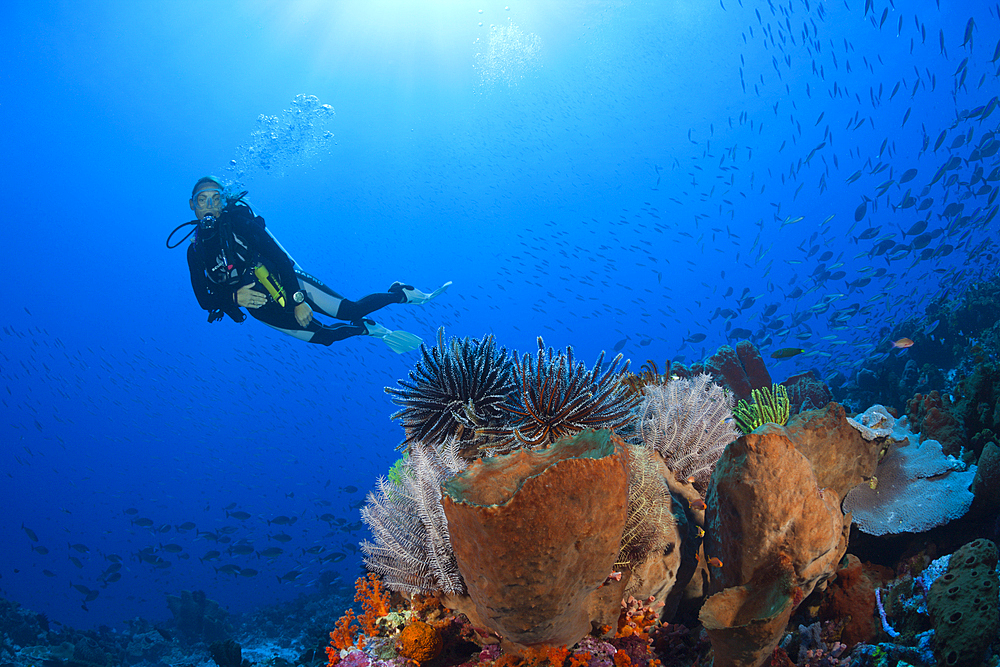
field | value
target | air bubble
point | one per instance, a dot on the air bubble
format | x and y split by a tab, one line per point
279	143
510	56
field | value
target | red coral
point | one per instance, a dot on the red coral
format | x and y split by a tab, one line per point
622	659
341	638
851	597
374	600
535	656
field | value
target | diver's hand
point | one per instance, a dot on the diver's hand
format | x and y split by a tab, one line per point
303	315
249	298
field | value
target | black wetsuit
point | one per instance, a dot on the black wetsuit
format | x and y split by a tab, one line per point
222	261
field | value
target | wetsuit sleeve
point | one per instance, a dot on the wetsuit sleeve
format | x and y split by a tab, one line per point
207	299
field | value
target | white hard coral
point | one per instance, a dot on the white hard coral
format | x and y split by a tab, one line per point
689	422
875	422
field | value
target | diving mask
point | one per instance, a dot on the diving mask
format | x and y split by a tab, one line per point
208	198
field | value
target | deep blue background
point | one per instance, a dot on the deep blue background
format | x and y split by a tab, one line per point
607	189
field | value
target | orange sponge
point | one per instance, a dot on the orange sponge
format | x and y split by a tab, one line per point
419	641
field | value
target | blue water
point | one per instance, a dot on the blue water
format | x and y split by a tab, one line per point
597	173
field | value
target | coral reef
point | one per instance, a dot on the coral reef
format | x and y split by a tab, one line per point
227	654
566	503
740	370
688	422
931	416
986	485
977	404
199	619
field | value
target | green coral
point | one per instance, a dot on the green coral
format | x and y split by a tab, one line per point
770	405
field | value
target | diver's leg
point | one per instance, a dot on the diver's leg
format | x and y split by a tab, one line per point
324	300
320	298
316	332
355	310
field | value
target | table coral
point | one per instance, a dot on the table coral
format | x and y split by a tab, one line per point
915	488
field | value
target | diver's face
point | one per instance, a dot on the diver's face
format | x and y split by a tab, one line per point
206	201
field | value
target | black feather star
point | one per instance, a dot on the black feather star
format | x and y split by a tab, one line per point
556	397
455	388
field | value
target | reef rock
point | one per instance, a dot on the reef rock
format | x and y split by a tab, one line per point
199	619
931	415
765	507
807	392
741	370
986	485
536	533
963	605
851	597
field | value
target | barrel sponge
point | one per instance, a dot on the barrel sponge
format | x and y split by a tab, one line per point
964	606
536	533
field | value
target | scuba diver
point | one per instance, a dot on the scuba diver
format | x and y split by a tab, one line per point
236	263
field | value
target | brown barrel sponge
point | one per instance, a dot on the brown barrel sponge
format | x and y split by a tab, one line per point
536	533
